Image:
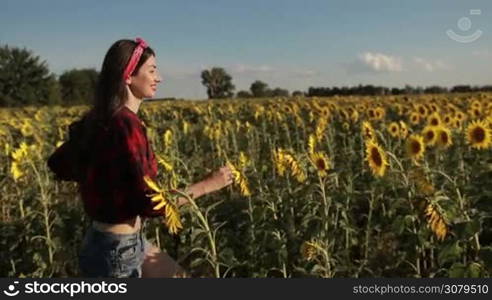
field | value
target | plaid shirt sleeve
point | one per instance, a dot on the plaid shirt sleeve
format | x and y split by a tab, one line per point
60	162
137	160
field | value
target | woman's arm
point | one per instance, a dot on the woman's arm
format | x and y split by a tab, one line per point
216	181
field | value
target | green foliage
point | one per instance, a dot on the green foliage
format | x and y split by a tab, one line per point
218	83
25	79
259	89
78	86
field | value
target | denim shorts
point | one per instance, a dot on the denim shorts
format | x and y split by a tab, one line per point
106	254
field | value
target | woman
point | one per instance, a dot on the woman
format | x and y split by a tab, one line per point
108	154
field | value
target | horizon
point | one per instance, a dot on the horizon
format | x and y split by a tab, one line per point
285	44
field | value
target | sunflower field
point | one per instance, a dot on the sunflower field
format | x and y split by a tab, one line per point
393	186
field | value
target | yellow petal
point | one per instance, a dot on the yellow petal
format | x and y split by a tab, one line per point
160	205
157	198
151	184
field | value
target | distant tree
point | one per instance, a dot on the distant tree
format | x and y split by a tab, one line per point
435	90
259	89
297	94
243	94
25	79
78	86
218	83
461	89
278	92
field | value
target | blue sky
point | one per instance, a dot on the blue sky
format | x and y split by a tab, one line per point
288	44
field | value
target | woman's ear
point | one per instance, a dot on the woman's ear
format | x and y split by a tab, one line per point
128	81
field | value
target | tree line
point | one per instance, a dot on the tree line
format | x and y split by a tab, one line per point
26	80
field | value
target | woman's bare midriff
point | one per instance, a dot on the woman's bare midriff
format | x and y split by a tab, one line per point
127	227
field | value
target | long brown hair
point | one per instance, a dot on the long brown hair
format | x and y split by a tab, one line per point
111	92
110	96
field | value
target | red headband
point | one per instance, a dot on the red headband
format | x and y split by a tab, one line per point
130	67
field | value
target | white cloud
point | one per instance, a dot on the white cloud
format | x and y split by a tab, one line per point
380	62
431	66
305	73
242	68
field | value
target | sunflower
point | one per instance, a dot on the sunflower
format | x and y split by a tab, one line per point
165	163
239	180
16	171
415	147
403	130
479	135
368	131
434	107
476	105
460	116
448	120
393	129
430	135
414	118
444	139
379	113
422	110
436	221
457	123
310	249
279	162
376	158
172	217
311	143
168	138
244	161
434	119
321	163
475	113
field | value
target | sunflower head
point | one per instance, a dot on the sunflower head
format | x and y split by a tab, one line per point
444	139
479	135
393	129
376	158
460	116
414	118
415	147
321	163
475	113
448	120
368	131
430	135
434	119
434	107
403	130
310	249
422	110
379	113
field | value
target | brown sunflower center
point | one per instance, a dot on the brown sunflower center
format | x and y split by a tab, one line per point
376	157
444	137
478	135
320	163
415	147
429	135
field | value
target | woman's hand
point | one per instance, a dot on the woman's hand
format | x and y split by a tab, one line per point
218	180
214	182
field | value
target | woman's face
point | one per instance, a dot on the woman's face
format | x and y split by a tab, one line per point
144	84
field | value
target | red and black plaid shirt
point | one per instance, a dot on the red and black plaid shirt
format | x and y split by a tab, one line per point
113	189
